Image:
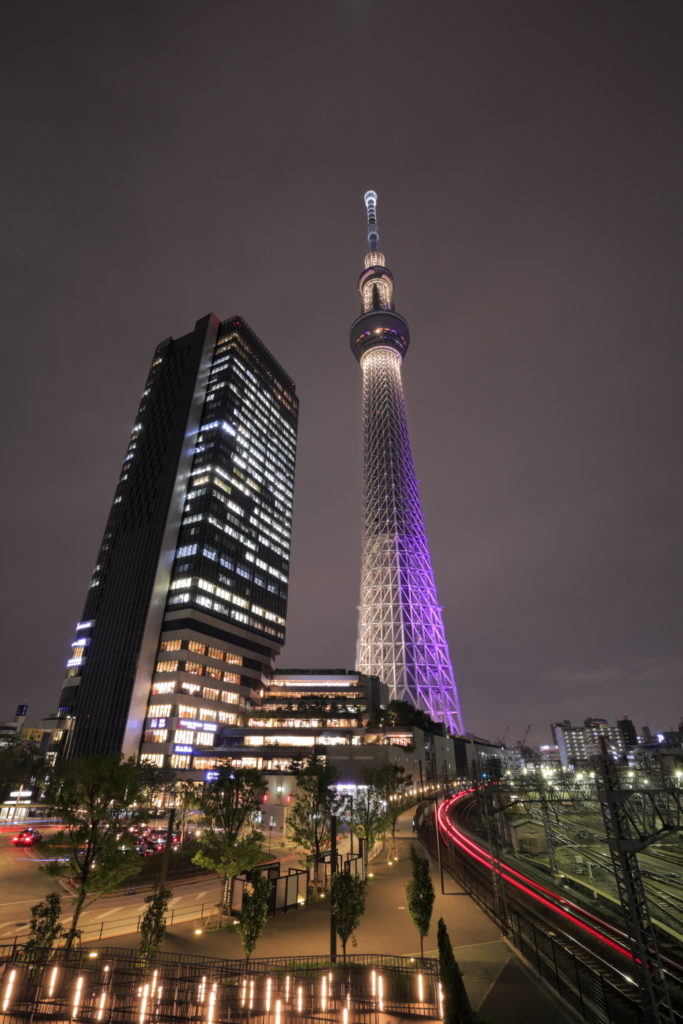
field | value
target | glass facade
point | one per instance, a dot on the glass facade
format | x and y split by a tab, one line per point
232	557
187	604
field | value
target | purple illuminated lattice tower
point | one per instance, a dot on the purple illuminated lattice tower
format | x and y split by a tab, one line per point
401	637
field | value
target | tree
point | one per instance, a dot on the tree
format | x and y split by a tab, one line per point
420	895
94	797
368	815
153	923
348	905
308	823
457	1009
187	796
21	763
254	913
391	782
230	843
401	713
45	930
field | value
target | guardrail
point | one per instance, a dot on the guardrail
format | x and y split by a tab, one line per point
104	929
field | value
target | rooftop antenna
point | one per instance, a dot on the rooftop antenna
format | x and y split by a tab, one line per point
370	199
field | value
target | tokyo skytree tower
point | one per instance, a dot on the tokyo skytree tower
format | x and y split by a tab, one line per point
401	637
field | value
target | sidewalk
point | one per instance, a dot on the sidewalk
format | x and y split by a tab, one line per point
497	983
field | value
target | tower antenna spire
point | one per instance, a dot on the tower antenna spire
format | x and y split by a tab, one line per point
370	199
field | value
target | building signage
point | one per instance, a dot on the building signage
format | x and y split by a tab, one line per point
185	723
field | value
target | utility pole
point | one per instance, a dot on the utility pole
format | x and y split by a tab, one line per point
333	871
491	824
547	826
167	850
624	843
351	824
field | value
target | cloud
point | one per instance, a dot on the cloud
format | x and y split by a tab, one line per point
647	672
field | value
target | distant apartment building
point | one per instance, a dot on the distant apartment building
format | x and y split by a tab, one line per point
577	744
11	730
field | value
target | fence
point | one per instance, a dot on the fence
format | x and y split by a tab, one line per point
113	985
287	892
598	997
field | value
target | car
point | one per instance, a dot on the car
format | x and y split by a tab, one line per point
158	840
27	837
145	848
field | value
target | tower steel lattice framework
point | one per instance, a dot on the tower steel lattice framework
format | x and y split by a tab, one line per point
401	636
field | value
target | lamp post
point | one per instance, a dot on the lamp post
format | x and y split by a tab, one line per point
438	841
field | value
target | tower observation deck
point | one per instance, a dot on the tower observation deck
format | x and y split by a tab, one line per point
401	636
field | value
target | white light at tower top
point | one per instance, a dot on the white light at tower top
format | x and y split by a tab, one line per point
370	199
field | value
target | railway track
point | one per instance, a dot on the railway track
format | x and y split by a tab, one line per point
598	943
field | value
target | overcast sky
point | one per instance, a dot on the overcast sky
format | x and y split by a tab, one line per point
164	160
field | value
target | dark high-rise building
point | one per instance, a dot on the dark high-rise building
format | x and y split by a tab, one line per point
187	603
628	732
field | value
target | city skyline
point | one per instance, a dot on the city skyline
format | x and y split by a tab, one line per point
533	157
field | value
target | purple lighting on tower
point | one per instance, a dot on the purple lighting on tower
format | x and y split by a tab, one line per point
401	637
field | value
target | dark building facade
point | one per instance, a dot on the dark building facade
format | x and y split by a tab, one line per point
186	607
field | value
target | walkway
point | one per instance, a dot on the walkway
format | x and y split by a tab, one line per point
497	983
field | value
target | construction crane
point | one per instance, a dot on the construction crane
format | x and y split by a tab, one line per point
520	743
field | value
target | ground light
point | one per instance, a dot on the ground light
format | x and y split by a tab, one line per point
275	997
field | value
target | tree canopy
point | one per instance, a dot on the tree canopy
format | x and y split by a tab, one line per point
21	764
401	713
230	841
391	782
348	905
457	1009
368	816
420	895
308	822
254	913
98	798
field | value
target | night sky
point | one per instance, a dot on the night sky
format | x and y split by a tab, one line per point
164	160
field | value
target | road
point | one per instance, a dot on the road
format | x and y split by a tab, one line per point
24	884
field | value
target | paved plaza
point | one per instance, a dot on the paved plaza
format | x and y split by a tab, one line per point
497	983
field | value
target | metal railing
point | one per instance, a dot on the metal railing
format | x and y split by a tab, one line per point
98	930
114	985
597	997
